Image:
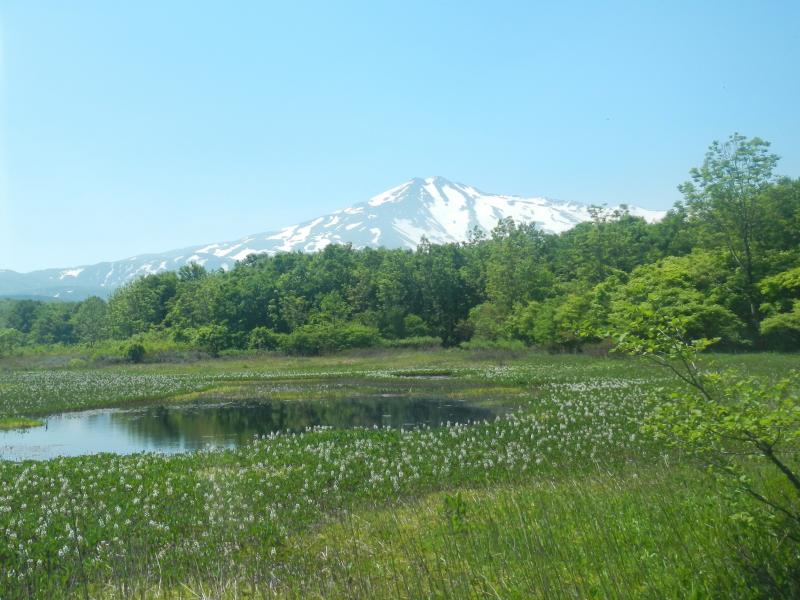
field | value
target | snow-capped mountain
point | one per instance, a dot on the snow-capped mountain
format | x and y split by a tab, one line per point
438	209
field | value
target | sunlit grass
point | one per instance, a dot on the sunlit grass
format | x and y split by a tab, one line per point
562	497
605	535
19	423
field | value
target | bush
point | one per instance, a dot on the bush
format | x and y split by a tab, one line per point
212	338
487	322
134	352
322	338
782	331
160	347
263	338
415	327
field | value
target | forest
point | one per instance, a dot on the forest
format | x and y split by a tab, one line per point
724	263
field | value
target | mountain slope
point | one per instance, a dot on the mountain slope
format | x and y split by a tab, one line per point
436	208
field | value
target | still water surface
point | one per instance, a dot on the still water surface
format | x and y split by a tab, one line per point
181	428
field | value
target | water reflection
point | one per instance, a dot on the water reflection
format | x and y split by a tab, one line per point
181	428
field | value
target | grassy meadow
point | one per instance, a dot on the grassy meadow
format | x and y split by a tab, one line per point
558	496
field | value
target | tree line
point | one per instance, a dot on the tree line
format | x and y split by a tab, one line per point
725	259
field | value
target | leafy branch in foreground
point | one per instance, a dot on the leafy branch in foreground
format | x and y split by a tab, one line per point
740	426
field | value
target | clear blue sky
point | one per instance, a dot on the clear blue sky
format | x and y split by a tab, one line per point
130	127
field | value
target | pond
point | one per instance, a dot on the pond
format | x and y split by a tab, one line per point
187	427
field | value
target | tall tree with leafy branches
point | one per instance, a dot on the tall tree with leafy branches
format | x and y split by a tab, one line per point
724	195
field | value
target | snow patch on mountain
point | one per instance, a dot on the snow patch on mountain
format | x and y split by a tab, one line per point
439	210
70	273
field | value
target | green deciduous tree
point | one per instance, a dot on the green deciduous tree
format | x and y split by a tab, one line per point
141	305
725	197
89	322
53	324
517	270
611	242
23	315
487	322
445	298
692	290
10	340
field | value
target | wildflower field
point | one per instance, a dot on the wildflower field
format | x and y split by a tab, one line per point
561	495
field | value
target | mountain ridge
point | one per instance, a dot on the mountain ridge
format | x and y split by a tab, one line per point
438	209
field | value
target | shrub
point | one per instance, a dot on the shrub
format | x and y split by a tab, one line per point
355	336
487	322
782	331
322	338
263	338
212	338
134	352
415	327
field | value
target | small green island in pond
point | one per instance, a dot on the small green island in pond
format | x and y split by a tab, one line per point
19	423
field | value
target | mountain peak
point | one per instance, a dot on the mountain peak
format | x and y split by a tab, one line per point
437	180
430	179
434	207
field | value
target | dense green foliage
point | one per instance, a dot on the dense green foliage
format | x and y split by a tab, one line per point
729	256
556	291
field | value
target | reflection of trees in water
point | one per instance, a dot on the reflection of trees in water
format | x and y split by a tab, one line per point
198	425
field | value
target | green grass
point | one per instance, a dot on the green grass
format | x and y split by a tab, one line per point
19	423
561	498
605	535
